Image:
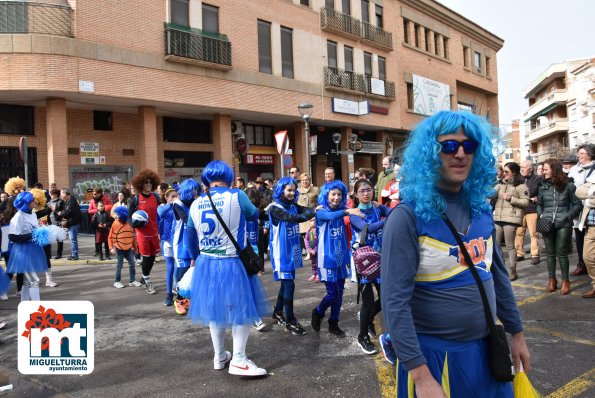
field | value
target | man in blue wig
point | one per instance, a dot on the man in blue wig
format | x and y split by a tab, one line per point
430	300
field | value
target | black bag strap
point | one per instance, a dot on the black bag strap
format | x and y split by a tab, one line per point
227	231
482	292
363	235
590	170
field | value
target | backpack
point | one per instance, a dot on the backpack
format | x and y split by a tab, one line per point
365	258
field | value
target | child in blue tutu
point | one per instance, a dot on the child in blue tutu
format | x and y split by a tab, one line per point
26	256
223	294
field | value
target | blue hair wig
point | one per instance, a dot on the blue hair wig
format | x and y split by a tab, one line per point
122	213
420	172
22	201
217	170
327	188
187	190
280	186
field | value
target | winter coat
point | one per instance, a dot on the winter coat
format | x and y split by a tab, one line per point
511	211
532	182
383	179
565	203
72	211
107	203
54	217
586	193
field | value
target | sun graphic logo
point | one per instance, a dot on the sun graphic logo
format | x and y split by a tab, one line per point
56	337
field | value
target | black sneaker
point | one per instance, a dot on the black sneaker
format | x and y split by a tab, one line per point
71	258
372	330
295	328
279	318
366	345
316	320
333	328
534	260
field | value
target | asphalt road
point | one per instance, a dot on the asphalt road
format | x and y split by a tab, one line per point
142	348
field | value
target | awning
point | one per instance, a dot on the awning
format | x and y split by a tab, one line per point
544	111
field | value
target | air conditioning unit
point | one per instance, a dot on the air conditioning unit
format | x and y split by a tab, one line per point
236	128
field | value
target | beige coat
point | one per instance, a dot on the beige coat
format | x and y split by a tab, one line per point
511	211
586	193
307	199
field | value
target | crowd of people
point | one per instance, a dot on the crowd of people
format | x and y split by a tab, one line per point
401	217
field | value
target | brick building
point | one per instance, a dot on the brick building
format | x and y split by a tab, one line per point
104	89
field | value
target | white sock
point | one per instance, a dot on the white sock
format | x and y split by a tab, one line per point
34	293
25	293
240	335
218	339
147	278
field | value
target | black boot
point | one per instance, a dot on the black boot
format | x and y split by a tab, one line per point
97	249
316	320
60	249
333	328
107	253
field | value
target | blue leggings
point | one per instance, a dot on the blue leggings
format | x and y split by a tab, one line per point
285	298
170	264
333	299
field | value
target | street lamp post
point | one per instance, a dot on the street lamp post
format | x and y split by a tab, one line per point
306	109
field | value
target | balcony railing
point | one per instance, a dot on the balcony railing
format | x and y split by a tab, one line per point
334	21
559	125
189	45
343	80
556	97
376	36
24	17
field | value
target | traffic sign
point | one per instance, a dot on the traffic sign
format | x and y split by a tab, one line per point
282	142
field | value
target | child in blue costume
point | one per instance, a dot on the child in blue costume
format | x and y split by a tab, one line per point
333	254
285	248
375	216
223	294
188	191
165	214
26	256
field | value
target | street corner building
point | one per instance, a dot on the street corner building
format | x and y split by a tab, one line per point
104	89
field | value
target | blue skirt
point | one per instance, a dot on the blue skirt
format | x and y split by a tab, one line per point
224	294
26	257
4	281
461	367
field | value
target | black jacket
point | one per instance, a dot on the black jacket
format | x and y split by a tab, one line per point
72	211
565	203
102	218
532	182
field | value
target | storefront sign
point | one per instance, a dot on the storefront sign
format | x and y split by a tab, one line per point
379	109
86	86
89	149
350	107
430	96
372	147
377	86
260	159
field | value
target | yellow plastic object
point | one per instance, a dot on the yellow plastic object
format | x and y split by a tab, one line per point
523	387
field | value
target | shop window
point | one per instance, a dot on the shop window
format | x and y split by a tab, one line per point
15	119
259	134
103	121
265	64
186	130
180	12
183	159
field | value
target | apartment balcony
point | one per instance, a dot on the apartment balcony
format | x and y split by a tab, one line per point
336	79
557	126
342	24
544	105
194	46
377	37
24	17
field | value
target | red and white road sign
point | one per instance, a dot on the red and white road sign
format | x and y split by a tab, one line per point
282	142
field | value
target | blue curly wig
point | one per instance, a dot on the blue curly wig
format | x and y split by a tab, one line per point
217	170
188	188
420	171
327	188
22	201
122	213
280	186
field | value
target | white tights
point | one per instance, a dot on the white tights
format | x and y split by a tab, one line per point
240	335
30	290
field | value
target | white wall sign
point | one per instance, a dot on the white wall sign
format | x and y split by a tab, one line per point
430	96
350	107
89	149
377	86
86	86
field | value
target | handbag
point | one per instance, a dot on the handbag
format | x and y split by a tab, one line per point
252	262
500	359
545	225
366	259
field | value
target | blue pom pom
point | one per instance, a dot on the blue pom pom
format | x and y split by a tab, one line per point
41	236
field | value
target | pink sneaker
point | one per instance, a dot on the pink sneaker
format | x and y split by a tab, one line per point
312	278
317	279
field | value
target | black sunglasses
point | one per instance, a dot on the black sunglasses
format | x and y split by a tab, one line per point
450	147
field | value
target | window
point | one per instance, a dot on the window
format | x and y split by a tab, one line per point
379	21
210	18
16	119
348	51
305	3
265	64
15	18
466	107
465	56
446	51
416	30
259	134
406	37
186	130
179	12
102	121
331	49
410	96
286	52
477	60
382	68
427	39
436	45
346	6
366	11
367	64
488	66
329	3
189	159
